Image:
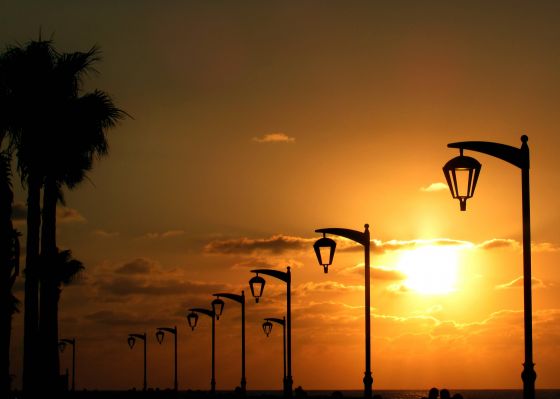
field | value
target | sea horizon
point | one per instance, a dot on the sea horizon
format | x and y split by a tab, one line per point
552	393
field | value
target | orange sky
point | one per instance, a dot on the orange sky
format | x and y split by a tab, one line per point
257	123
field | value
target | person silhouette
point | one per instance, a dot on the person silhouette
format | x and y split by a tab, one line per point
444	394
433	393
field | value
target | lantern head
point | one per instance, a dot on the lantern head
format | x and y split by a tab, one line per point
257	287
61	346
159	336
324	249
131	342
218	307
192	318
267	327
461	174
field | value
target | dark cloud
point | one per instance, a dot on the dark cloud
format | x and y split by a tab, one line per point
136	266
118	318
275	244
126	286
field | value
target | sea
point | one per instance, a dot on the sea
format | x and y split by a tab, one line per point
467	393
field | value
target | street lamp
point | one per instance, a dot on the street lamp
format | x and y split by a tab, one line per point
324	249
159	336
257	284
241	300
209	313
61	346
267	328
518	157
131	341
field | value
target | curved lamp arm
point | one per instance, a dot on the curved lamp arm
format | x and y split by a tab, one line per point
354	235
515	156
172	330
233	297
276	320
209	313
284	276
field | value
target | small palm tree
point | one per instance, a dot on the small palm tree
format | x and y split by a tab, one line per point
9	270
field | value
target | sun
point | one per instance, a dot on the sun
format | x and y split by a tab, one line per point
430	270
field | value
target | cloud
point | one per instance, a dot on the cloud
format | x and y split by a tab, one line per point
275	244
434	187
518	283
498	243
123	319
377	272
68	215
105	234
274	138
136	266
545	247
164	235
327	286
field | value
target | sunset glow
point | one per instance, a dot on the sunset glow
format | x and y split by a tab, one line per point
430	270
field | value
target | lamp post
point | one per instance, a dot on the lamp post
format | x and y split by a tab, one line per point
131	342
241	300
257	284
192	319
159	336
267	328
325	259
61	346
518	157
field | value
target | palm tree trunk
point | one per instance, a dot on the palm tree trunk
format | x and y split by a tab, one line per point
48	315
31	304
8	273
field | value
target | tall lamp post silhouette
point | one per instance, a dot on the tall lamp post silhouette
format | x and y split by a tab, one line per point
192	318
159	336
131	341
469	168
218	307
324	249
267	328
61	346
257	287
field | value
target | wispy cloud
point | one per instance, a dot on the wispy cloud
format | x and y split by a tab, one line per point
275	244
163	235
518	283
434	187
105	234
498	243
69	215
377	272
545	247
136	266
274	138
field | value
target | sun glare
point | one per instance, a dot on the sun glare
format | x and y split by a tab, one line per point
430	270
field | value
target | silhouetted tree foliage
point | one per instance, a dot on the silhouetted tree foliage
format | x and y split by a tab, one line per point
57	132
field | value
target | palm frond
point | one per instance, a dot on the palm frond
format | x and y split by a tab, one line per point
68	269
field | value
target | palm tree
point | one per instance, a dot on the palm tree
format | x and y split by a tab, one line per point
27	77
9	269
57	132
80	138
62	270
